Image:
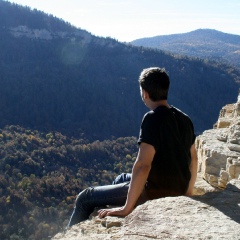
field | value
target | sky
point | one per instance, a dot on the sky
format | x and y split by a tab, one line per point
127	20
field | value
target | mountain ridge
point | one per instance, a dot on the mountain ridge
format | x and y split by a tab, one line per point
202	43
198	34
54	75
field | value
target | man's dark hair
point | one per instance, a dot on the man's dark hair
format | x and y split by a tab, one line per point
156	82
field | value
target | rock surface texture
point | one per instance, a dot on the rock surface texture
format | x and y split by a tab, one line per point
219	148
211	214
214	215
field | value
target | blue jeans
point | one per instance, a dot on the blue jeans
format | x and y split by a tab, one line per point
124	177
88	199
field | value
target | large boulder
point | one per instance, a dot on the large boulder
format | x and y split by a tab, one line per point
214	215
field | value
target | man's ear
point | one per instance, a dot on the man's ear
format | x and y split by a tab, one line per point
145	94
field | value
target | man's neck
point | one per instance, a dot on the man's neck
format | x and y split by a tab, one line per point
154	105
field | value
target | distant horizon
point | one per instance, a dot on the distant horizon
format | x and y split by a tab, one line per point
128	20
189	32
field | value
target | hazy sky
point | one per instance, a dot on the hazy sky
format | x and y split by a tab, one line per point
126	20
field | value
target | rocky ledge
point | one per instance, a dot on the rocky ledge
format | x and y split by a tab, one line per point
219	148
214	215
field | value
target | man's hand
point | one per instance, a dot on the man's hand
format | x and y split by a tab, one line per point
119	211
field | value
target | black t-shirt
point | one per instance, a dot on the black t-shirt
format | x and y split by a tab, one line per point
171	133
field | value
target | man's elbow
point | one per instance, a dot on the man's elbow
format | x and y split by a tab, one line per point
145	168
142	167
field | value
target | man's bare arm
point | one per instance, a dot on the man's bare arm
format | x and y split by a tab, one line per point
140	173
193	170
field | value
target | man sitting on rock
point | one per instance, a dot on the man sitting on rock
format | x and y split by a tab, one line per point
166	164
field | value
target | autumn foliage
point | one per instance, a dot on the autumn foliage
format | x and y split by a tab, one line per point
41	174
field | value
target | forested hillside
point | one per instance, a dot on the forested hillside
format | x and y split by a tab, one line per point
41	174
202	43
57	77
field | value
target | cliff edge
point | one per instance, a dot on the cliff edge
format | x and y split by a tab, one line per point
214	215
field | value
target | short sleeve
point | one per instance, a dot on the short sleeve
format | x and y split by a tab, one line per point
148	131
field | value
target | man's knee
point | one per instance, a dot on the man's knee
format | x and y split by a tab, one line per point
84	196
124	177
